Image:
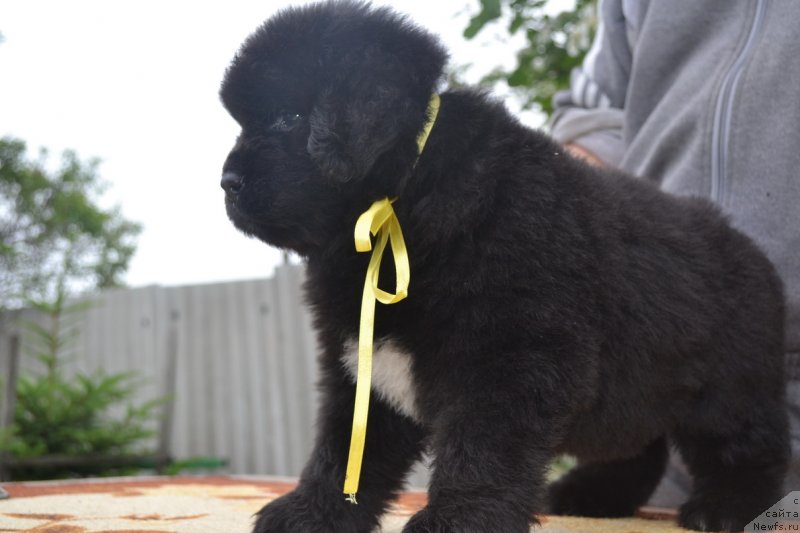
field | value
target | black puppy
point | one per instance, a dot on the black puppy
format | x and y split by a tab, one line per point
553	307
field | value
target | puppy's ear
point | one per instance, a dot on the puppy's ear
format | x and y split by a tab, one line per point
373	100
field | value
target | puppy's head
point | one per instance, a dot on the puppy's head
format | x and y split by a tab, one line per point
330	98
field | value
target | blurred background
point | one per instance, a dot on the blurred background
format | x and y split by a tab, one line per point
139	331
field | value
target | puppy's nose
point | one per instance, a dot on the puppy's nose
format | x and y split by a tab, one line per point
231	182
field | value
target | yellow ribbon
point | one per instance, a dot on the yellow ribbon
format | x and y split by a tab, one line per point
433	111
379	220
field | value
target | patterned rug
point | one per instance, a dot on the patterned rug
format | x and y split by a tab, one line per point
215	504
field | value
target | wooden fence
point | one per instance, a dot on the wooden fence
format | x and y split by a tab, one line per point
237	361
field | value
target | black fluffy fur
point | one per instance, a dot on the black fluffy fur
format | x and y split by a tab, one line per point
554	307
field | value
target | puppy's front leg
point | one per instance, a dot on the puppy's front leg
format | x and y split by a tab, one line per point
318	505
491	444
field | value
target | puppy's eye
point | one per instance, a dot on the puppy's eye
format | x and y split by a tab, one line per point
285	121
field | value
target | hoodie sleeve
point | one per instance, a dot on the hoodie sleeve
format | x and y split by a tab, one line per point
591	112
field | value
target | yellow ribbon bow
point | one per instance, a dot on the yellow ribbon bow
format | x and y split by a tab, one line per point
379	220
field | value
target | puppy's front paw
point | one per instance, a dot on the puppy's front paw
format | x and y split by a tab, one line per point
479	518
286	514
297	513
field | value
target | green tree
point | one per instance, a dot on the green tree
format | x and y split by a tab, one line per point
51	226
555	44
66	424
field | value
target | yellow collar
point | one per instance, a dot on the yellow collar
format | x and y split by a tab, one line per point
431	112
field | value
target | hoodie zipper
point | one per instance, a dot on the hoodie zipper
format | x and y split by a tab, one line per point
724	107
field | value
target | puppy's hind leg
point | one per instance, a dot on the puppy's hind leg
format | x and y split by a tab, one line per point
738	469
610	489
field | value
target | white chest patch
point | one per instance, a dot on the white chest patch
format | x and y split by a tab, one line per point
391	374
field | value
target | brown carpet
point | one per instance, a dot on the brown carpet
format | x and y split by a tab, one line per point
214	504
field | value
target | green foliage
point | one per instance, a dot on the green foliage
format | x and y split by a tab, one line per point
195	465
555	44
560	466
77	416
60	416
50	223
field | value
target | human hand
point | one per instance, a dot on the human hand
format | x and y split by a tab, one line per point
580	152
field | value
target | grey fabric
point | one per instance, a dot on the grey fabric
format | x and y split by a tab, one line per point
600	131
669	81
706	95
675	486
793	402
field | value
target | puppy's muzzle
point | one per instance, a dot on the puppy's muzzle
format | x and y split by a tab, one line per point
231	183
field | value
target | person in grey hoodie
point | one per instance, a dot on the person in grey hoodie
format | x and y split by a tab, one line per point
702	98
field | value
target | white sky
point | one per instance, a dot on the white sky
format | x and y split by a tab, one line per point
135	83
